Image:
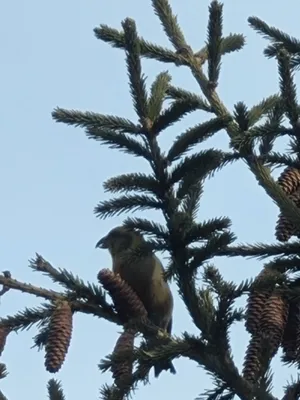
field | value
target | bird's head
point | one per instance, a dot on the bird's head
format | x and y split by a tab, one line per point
119	239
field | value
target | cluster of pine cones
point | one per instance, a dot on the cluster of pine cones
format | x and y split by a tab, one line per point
129	306
289	181
272	322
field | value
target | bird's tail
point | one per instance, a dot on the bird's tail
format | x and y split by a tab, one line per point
164	365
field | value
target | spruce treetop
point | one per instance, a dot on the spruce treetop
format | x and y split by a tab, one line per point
175	187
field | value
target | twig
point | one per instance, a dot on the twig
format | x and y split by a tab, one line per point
5	289
44	266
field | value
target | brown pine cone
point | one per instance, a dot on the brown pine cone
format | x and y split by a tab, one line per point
4	331
126	301
285	228
257	300
122	370
252	362
291	336
273	321
289	180
60	332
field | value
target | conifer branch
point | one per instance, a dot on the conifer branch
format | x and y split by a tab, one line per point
275	159
262	250
158	92
291	44
92	293
200	164
176	93
214	38
134	68
230	43
147	49
288	88
193	136
206	229
41	338
137	182
126	203
51	295
26	318
148	227
169	23
292	391
55	391
264	107
94	120
174	113
119	141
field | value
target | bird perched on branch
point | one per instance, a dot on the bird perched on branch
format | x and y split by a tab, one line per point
144	273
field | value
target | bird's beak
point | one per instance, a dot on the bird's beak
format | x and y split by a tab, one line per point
102	243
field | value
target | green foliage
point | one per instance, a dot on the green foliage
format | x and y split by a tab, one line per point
148	227
169	23
147	49
264	107
28	317
40	339
193	136
109	208
158	92
55	391
133	182
183	95
291	44
91	120
214	41
134	69
119	141
174	113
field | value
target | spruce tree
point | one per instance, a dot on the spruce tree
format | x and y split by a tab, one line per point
175	187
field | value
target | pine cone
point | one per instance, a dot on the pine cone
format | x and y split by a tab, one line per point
285	228
126	301
60	331
273	321
291	336
122	370
252	362
257	300
4	331
289	180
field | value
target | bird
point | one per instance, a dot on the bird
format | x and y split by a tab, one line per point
144	273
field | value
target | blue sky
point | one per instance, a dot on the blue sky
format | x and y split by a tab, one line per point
51	175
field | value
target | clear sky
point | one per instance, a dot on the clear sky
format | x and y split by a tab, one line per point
51	175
